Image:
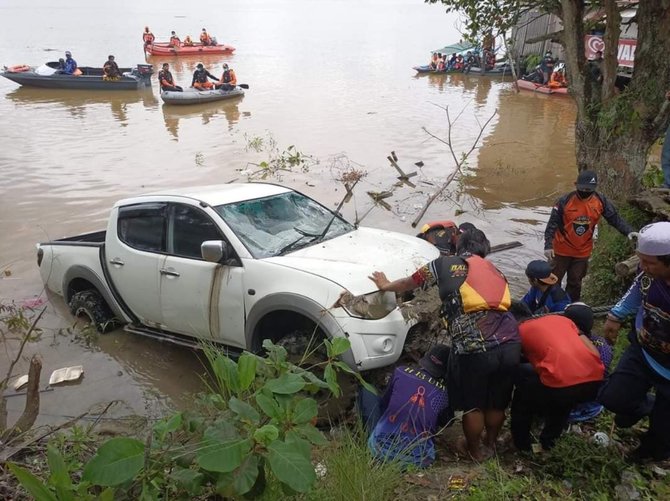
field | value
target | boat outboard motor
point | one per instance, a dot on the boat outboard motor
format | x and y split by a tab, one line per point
144	72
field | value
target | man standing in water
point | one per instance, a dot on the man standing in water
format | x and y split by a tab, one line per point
568	238
646	362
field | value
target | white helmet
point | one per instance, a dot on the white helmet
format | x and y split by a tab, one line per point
560	67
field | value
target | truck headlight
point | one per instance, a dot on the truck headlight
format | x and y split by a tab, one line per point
372	306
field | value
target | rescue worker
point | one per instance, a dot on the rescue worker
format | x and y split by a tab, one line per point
406	418
166	81
568	237
563	369
484	335
110	69
200	76
646	362
188	42
70	67
228	80
434	59
175	42
545	294
547	67
442	234
558	79
147	37
205	39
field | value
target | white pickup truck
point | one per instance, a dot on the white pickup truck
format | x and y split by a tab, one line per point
236	264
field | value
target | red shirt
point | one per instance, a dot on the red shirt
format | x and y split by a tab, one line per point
553	347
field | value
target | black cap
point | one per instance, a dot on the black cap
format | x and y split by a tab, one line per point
541	270
587	180
436	360
582	315
466	227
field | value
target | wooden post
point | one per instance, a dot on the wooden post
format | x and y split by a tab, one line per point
627	268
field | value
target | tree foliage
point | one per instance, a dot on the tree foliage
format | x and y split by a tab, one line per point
615	128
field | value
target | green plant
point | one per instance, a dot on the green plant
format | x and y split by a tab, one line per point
602	286
531	61
277	161
255	425
653	177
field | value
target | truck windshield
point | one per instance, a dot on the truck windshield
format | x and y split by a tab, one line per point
281	224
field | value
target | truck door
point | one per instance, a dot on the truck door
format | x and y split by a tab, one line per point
199	298
135	251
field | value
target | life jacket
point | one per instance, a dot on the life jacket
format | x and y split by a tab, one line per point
485	287
165	78
188	42
205	38
654	332
148	37
560	358
558	80
574	237
175	42
229	77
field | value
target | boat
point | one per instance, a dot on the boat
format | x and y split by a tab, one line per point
502	68
542	89
195	96
46	76
197	49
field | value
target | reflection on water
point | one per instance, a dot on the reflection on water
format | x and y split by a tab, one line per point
227	109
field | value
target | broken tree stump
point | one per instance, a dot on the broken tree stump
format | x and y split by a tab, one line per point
32	408
627	268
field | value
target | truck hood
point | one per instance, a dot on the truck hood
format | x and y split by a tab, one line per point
349	259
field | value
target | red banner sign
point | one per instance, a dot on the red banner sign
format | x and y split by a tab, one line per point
626	54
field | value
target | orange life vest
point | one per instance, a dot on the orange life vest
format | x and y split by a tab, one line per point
148	37
574	237
485	287
175	42
553	347
205	38
188	42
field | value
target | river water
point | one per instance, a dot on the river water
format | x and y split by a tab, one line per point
332	77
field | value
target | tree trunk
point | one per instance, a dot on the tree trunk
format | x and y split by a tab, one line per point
613	133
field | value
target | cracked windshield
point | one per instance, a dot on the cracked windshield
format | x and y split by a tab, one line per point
335	249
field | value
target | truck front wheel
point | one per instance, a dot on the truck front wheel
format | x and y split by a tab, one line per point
89	304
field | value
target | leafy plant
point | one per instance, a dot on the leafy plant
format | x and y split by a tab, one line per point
256	423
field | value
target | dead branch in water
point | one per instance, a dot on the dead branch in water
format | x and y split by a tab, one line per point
32	408
459	163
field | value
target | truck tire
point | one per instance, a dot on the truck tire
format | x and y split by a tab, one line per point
89	303
332	409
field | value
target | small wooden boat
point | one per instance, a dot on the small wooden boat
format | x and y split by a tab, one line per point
197	49
46	76
194	96
542	89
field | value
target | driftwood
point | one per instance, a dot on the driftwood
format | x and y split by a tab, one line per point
627	268
32	408
656	201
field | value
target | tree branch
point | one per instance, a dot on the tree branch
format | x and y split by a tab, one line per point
459	164
26	338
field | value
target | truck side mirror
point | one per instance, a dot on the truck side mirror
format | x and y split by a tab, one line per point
214	251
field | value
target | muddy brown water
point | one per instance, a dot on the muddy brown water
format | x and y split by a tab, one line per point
333	78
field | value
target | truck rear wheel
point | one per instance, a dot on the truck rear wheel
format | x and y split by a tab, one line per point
89	304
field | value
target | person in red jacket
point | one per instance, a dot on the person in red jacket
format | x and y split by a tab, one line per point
568	237
563	369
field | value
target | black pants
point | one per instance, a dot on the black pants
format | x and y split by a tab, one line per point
533	399
625	393
576	268
174	88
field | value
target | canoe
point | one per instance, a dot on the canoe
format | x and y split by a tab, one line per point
45	76
542	89
194	96
164	49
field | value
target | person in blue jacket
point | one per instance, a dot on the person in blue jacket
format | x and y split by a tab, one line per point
646	362
70	64
545	294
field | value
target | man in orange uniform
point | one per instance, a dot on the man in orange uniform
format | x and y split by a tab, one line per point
205	39
484	335
568	238
147	37
228	80
175	42
200	76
